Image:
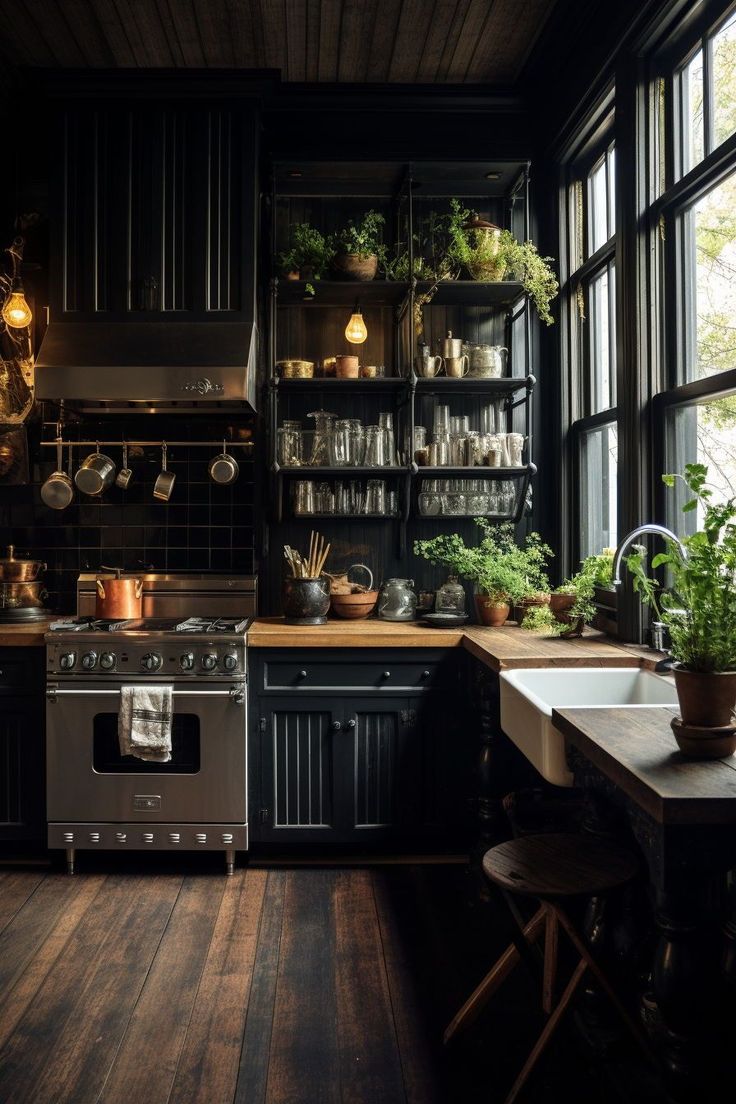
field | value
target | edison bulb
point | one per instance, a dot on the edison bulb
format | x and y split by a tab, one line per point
355	331
16	312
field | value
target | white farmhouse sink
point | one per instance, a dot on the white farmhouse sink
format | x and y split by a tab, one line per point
529	696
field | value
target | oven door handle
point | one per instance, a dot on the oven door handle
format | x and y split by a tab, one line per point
235	693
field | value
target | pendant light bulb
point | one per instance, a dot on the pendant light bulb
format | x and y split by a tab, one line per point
355	331
16	312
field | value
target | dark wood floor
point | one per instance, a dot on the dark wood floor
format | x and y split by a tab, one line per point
303	985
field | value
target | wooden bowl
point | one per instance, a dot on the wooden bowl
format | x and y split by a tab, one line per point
354	606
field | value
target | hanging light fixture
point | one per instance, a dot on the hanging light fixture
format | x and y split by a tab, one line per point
16	313
355	331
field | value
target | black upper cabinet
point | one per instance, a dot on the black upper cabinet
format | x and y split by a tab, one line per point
156	206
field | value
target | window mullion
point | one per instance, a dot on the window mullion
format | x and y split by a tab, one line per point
708	101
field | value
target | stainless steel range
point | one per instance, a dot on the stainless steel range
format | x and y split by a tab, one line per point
98	798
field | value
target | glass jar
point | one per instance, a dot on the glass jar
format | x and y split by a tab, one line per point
289	444
397	600
451	597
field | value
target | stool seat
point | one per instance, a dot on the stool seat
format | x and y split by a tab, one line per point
559	864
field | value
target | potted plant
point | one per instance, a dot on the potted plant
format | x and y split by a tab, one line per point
358	247
500	569
309	254
490	253
699	608
572	602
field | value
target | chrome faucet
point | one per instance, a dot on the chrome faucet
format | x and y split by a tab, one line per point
642	530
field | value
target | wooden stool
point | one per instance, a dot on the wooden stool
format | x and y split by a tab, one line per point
553	867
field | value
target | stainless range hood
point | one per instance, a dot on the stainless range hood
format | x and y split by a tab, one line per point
157	365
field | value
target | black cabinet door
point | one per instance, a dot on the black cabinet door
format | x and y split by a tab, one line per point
293	794
22	775
373	768
155	211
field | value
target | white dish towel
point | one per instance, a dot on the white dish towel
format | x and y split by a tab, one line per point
144	722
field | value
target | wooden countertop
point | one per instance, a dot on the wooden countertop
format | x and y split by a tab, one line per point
501	648
636	750
25	636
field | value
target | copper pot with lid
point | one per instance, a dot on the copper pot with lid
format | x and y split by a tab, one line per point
13	570
118	599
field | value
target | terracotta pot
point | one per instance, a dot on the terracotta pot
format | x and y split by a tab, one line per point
707	699
698	742
354	606
351	266
306	601
560	603
347	367
491	611
532	601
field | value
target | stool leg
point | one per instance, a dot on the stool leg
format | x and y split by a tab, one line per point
602	981
498	973
551	945
547	1032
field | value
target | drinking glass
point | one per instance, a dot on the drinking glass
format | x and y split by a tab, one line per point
420	438
375	447
324	424
289	444
325	499
386	423
375	496
304	499
441	419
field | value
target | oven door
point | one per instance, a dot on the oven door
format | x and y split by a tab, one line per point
87	779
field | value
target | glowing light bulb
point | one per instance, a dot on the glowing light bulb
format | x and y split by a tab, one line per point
16	312
355	331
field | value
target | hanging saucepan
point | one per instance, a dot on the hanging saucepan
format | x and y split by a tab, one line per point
58	490
19	571
165	479
95	473
124	476
223	468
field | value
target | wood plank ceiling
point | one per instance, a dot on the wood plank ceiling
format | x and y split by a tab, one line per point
396	41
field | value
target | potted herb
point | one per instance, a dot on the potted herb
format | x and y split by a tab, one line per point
699	607
500	569
358	247
572	602
490	253
309	254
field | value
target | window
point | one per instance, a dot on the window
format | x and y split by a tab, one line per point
706	95
695	410
590	290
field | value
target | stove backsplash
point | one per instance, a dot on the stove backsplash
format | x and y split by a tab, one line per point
204	527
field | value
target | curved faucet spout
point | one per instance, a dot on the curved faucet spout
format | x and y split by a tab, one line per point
642	530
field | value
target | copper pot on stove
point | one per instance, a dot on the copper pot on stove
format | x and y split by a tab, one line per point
118	599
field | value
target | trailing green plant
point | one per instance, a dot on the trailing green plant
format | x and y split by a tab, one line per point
499	567
492	255
595	571
699	604
308	248
363	238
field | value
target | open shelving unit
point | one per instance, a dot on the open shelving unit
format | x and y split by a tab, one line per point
307	318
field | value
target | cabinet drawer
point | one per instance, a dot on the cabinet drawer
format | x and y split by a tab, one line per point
379	674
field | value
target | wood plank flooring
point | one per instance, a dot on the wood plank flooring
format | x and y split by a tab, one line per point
303	985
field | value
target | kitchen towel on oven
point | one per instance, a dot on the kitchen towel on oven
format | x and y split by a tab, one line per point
144	722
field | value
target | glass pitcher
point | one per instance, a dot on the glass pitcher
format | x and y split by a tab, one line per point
397	600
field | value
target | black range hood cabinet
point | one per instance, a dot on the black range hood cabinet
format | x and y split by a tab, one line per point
160	365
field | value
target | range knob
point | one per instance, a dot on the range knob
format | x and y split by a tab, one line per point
186	661
67	660
209	661
107	661
230	662
89	660
151	661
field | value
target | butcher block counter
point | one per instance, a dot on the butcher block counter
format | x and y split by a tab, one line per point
502	648
25	636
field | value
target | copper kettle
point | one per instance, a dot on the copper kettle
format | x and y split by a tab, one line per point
118	599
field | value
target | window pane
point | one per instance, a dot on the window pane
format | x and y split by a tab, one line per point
724	82
598	488
598	215
709	293
706	434
611	191
601	321
691	99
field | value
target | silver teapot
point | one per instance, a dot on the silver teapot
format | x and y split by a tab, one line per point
397	600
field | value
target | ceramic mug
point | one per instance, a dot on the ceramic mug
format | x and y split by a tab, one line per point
428	366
